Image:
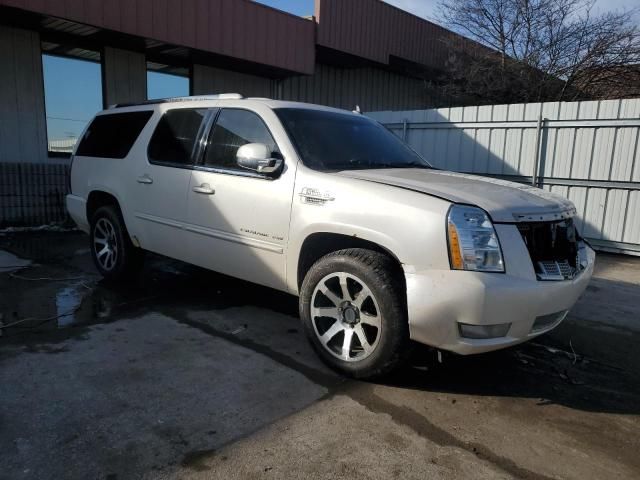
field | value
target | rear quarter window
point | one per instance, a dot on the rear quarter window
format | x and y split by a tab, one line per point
112	135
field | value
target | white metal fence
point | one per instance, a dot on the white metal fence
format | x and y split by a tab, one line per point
586	151
62	146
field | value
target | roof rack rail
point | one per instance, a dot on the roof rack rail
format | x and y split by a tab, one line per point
221	96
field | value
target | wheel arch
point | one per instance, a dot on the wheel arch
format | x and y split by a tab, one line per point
100	198
320	243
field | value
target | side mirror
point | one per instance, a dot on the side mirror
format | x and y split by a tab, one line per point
258	157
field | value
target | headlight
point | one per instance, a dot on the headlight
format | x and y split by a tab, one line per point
473	243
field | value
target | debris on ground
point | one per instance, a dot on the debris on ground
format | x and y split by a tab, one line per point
10	263
53	227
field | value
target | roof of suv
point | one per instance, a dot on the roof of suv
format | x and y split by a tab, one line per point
235	97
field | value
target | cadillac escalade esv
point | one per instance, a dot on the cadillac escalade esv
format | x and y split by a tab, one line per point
326	204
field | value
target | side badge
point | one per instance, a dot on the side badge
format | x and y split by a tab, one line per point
313	196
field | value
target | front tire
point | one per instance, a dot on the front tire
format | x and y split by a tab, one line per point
353	310
114	255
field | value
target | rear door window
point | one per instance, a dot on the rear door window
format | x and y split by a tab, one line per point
112	135
174	138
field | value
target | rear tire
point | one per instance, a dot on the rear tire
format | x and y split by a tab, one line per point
114	255
353	310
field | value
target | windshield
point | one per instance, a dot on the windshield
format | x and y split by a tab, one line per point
337	141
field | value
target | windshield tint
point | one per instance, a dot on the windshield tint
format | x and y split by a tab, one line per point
338	141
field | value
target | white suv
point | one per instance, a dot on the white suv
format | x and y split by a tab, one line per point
328	205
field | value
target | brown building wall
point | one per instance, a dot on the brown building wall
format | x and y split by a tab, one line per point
241	29
376	31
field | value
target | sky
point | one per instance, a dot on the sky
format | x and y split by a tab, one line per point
422	8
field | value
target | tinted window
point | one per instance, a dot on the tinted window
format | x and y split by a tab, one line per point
175	136
233	129
112	135
339	141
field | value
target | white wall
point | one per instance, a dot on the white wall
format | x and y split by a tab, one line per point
588	152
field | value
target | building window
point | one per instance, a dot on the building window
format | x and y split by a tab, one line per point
72	92
166	81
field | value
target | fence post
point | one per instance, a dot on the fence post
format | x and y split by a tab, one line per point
536	163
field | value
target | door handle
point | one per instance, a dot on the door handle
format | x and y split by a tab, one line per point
204	189
145	179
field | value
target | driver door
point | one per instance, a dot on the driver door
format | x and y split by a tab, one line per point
238	220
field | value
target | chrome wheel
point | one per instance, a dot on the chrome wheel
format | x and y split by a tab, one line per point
345	317
105	243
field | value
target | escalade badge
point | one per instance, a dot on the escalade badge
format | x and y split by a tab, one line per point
313	196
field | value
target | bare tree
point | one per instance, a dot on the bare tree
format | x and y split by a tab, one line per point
540	49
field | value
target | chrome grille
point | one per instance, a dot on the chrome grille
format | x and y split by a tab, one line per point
555	270
553	248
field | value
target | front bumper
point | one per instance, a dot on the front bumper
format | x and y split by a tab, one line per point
439	300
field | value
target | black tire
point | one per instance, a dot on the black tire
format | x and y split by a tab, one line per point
126	259
381	276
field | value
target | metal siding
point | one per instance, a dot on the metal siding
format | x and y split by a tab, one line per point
22	112
589	152
218	26
125	76
369	88
211	80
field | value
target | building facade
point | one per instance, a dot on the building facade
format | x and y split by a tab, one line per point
62	61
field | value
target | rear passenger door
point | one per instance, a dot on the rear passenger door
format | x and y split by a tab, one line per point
239	219
162	180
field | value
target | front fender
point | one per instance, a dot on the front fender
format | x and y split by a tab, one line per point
387	242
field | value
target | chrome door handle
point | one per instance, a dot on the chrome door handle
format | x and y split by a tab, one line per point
145	179
204	189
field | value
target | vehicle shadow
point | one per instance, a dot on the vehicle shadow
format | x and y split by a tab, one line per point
581	365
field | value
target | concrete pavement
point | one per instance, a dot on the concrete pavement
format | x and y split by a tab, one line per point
187	374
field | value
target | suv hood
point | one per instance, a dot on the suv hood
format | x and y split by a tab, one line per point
505	202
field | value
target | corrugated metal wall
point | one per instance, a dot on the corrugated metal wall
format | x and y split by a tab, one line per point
23	132
124	75
211	80
32	193
586	151
370	88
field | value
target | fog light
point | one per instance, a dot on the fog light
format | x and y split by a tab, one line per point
543	322
479	332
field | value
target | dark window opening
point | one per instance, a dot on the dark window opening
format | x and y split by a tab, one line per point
233	129
175	136
112	135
